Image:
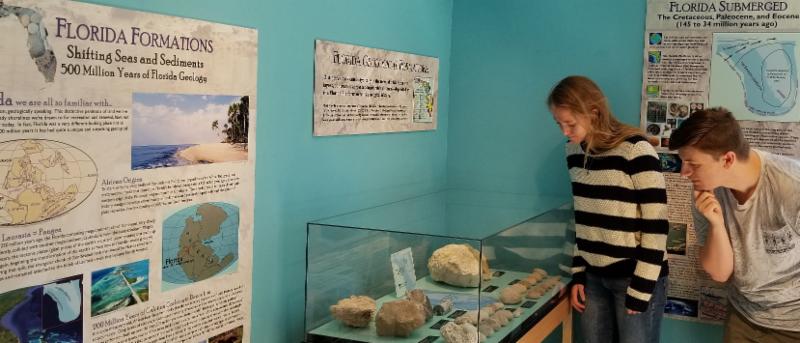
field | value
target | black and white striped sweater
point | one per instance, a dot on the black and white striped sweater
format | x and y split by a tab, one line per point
620	216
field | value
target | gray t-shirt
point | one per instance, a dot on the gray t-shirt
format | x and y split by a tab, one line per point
765	236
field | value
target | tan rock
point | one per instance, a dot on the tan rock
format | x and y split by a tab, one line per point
520	288
503	317
535	278
497	306
419	297
470	317
534	293
355	311
457	265
399	318
488	326
459	333
511	295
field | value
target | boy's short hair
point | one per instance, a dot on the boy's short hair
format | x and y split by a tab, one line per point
714	131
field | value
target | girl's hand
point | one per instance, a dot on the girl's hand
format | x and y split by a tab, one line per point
578	298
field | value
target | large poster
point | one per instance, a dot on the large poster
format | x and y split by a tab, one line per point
127	145
365	90
739	55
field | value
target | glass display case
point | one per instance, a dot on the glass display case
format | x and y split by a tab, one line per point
442	267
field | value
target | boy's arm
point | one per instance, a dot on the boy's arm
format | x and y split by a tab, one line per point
716	255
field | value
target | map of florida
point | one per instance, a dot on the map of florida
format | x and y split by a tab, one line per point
768	71
200	260
38	47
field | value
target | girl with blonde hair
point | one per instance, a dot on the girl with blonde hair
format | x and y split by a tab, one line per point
620	262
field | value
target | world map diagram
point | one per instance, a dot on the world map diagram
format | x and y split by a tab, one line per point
199	242
42	179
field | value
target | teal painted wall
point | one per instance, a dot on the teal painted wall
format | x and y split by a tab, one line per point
302	178
506	55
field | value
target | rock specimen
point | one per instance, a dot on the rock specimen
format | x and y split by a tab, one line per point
399	318
459	333
533	279
497	306
355	311
458	265
511	295
488	326
519	287
503	317
419	297
470	317
443	307
534	293
492	318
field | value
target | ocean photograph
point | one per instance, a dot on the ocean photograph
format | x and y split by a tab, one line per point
171	130
44	313
119	287
157	156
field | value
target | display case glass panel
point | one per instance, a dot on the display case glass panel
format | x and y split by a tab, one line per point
460	248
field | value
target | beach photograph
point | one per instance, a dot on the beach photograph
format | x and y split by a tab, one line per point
119	287
171	130
44	313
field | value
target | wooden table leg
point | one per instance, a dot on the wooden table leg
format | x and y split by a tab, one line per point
560	315
566	326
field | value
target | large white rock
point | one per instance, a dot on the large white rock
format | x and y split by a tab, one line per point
457	265
355	311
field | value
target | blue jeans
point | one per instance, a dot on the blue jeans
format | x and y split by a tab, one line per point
605	316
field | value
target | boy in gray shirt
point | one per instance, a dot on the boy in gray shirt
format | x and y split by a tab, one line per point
747	219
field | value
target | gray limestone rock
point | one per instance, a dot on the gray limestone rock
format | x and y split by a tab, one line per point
443	307
355	311
399	318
